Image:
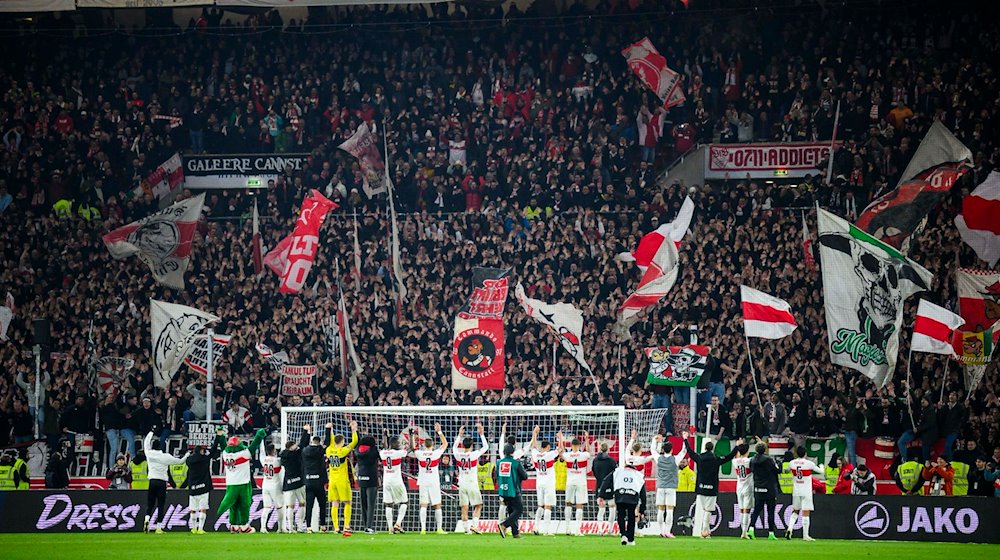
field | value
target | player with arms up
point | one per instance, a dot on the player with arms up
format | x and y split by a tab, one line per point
744	487
428	478
340	481
272	495
543	458
577	467
706	483
199	480
239	490
803	471
467	462
666	483
393	489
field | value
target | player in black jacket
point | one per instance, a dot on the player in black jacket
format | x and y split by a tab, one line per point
366	462
199	481
706	487
293	486
314	471
765	487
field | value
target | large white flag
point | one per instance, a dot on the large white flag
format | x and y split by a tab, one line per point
650	243
174	329
563	319
865	282
163	241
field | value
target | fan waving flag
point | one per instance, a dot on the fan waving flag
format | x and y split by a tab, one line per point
174	329
650	66
163	241
293	257
765	316
363	145
979	222
934	329
564	320
650	243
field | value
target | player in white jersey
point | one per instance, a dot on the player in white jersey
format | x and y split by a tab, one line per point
543	458
577	466
633	452
393	489
803	470
518	454
467	463
271	489
666	467
428	479
744	487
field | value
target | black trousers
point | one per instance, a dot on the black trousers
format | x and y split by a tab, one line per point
315	492
369	501
156	498
763	504
514	510
626	519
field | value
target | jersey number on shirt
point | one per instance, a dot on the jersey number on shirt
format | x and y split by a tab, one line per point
742	471
335	462
798	474
269	471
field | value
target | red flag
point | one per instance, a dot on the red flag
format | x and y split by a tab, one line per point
258	264
651	67
295	254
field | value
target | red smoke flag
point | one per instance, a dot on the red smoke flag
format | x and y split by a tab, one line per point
934	329
650	66
258	260
163	241
979	222
295	254
765	316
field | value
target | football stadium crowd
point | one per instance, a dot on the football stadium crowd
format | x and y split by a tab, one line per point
515	139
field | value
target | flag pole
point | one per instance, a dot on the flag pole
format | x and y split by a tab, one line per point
833	144
944	381
909	389
209	392
753	372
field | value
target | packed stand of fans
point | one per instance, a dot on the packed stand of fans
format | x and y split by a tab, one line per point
516	142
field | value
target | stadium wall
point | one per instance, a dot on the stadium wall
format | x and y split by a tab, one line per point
902	518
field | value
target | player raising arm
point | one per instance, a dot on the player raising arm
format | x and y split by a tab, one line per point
577	466
393	489
467	462
340	482
543	458
428	478
271	492
744	487
803	471
666	470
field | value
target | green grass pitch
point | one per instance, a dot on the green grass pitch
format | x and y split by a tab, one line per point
184	546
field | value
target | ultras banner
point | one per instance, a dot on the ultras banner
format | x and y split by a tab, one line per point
764	161
238	171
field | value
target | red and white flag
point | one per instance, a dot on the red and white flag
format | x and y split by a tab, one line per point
163	241
650	66
258	259
765	316
978	297
807	244
658	279
979	222
164	182
934	329
650	243
292	258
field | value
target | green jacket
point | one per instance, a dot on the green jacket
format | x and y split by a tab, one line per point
510	475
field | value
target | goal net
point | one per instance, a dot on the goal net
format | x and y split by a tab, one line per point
612	426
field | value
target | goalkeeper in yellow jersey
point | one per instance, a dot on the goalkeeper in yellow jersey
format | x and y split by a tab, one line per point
340	482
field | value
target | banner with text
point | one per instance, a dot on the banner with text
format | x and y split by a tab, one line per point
297	380
765	161
238	171
32	6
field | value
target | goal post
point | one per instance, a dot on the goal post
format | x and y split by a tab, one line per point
611	425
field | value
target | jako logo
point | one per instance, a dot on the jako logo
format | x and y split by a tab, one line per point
871	519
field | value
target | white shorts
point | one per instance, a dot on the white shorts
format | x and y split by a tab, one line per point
295	496
430	494
393	492
666	497
576	492
546	493
198	503
706	503
273	497
469	495
802	502
744	496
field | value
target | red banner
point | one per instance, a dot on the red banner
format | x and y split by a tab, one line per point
650	66
477	356
295	254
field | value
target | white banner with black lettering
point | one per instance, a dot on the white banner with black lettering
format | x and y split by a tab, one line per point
31	6
764	161
239	171
141	3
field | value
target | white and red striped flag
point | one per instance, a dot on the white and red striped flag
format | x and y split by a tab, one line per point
934	329
650	243
258	259
979	223
765	316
